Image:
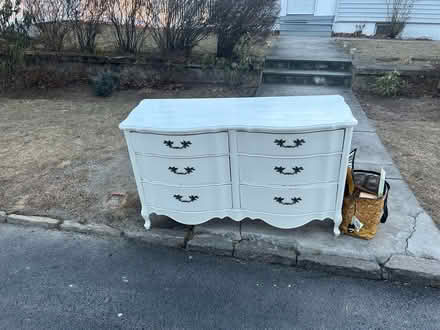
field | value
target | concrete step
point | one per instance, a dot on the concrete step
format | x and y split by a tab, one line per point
307	22
306	18
312	21
306	27
315	65
307	77
320	34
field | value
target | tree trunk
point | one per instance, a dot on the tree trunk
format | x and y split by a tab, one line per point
225	48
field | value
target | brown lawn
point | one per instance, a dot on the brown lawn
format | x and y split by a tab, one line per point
62	154
410	128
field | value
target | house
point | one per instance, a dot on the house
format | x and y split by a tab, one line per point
322	17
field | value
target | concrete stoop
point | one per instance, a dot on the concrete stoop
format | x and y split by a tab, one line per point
307	72
306	25
334	65
307	60
299	77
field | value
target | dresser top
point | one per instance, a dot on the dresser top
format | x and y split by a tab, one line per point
291	113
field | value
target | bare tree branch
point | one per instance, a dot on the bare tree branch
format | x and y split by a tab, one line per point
399	12
130	19
179	24
237	21
87	16
51	18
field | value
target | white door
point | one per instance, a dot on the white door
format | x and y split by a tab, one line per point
300	7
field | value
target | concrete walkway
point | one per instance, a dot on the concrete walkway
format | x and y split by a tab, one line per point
306	48
409	232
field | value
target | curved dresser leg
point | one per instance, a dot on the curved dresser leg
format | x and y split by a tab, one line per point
146	216
338	221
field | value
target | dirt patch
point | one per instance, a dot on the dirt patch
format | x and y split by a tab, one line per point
410	128
62	154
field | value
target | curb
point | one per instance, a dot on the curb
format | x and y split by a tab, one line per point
268	253
2	216
400	268
342	266
157	237
265	252
408	268
24	220
96	229
211	244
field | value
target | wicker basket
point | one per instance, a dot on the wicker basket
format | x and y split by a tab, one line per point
361	216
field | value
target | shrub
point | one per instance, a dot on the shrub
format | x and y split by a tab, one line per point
43	77
179	24
359	30
390	84
52	20
130	20
239	21
105	83
13	22
237	73
87	16
13	29
398	15
11	64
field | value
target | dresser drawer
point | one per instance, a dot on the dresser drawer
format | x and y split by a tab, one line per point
180	145
189	199
260	170
298	200
291	144
184	171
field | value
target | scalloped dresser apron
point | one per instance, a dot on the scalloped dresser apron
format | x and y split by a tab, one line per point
279	159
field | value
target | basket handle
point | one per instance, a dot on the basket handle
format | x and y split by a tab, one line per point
385	204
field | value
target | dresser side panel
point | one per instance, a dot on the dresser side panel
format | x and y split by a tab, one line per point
234	163
136	170
342	178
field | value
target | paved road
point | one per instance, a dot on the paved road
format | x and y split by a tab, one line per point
53	280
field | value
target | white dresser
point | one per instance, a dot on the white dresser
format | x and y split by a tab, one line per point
279	159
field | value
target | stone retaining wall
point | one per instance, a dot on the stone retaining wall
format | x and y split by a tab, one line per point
57	70
422	80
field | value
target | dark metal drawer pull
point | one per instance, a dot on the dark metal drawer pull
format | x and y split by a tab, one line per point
184	144
296	170
296	143
175	170
281	201
190	199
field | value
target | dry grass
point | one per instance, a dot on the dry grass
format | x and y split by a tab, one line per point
393	51
410	128
62	154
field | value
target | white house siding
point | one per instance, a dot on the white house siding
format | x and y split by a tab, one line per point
322	7
325	7
424	20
